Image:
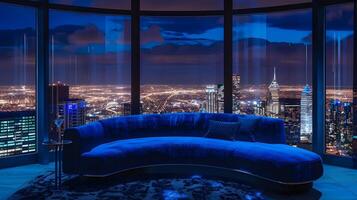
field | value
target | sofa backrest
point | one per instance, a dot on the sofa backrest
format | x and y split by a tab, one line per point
264	129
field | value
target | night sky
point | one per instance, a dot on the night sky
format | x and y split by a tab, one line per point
95	49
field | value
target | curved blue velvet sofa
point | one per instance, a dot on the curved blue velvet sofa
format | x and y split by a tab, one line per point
118	144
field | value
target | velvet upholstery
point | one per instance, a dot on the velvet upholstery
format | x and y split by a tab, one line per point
120	143
223	130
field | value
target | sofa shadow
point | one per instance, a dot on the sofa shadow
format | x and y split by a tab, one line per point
270	190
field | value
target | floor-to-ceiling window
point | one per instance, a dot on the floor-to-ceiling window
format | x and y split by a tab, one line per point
89	67
272	70
17	80
182	64
339	79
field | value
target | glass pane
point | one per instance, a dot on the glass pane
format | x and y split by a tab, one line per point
241	4
111	4
90	67
181	5
272	70
17	80
182	64
339	79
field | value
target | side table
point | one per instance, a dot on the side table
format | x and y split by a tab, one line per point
57	146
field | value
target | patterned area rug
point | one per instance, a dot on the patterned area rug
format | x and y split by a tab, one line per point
195	187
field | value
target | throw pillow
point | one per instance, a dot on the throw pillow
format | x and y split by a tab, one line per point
222	130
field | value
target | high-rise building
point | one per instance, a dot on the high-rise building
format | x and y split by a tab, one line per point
290	113
306	115
211	98
17	133
58	93
236	93
127	108
273	97
73	112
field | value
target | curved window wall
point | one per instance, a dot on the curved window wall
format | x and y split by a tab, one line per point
184	62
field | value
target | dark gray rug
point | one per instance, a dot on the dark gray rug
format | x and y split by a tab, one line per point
195	187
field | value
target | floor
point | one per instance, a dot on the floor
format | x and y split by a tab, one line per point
336	184
12	179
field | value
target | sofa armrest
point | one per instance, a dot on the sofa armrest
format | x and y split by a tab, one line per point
84	138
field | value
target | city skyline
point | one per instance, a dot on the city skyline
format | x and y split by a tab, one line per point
161	99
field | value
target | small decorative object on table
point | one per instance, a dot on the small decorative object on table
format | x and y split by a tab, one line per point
57	146
58	123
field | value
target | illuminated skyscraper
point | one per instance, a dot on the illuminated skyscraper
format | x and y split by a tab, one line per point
306	115
17	133
73	112
236	93
273	97
211	98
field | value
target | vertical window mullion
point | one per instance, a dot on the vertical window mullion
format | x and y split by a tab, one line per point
228	55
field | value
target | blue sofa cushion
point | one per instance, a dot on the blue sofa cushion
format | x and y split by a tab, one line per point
273	161
222	130
248	127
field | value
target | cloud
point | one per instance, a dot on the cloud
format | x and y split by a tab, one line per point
88	35
188	25
295	20
340	17
60	33
182	64
151	35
